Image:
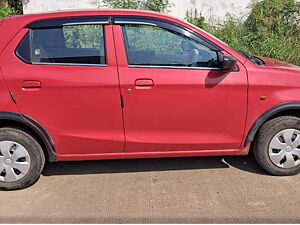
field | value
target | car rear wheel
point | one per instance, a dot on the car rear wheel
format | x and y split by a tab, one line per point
277	146
21	159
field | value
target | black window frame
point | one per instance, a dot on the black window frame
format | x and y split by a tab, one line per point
60	23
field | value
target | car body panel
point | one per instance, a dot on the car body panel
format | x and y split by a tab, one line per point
6	103
75	115
277	85
78	105
276	64
156	154
185	108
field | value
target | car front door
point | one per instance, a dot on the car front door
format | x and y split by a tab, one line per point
68	82
176	97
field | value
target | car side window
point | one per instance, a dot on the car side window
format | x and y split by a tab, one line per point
80	44
23	50
154	46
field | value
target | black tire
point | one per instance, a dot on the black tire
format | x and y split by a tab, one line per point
263	139
37	158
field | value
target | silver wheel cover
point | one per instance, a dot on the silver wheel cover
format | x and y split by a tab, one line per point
14	161
284	148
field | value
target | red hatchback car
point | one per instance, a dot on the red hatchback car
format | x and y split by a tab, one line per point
112	84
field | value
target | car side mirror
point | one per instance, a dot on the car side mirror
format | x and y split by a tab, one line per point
227	62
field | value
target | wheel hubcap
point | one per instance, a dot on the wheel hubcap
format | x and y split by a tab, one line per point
14	161
7	161
284	148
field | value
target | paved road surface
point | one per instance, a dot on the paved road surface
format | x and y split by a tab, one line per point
176	190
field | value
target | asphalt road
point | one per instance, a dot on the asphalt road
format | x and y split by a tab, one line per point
174	190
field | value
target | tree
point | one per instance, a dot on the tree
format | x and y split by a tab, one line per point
153	5
16	5
3	3
157	5
275	16
10	7
195	17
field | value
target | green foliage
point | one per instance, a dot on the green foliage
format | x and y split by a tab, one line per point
157	5
196	18
6	11
16	6
271	29
154	5
122	4
11	7
87	36
274	16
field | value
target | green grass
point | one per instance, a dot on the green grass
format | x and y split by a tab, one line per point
271	30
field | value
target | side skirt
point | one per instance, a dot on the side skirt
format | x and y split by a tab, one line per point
135	155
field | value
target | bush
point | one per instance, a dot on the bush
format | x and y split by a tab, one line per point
16	6
10	7
271	30
153	5
6	11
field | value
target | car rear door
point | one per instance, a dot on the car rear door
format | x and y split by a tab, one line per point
68	82
176	98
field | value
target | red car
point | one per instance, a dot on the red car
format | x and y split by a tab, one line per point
115	84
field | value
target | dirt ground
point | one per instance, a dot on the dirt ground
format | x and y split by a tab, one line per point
170	190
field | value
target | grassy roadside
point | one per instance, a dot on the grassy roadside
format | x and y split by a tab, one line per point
272	29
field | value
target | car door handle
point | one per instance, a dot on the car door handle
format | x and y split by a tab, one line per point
144	83
31	84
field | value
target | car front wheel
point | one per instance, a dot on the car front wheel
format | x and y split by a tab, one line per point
277	146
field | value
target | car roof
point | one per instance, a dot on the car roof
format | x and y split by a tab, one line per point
89	12
14	23
105	10
22	20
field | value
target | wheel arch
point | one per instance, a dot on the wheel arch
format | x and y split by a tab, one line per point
284	109
25	123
